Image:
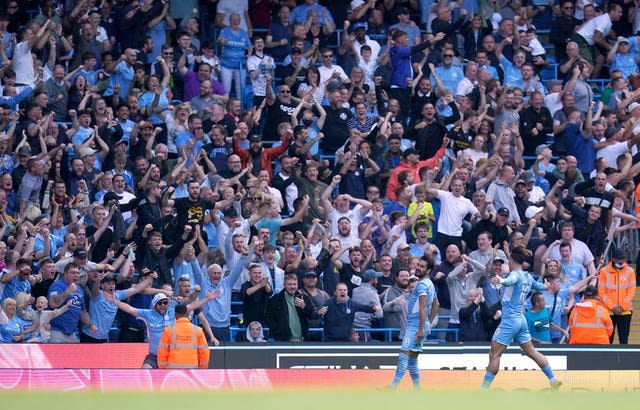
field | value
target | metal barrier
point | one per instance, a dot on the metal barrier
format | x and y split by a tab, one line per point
388	332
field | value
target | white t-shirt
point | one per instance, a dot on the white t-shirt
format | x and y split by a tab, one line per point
612	152
327	72
354	216
259	83
452	212
22	63
580	253
601	23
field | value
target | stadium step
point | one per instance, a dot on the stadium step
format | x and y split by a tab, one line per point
634	334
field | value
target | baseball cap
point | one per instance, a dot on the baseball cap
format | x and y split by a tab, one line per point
310	273
633	106
532	211
623	40
110	196
358	25
86	151
529	176
370	274
255	137
80	253
521	181
26	151
356	3
503	211
403	10
618	253
498	259
157	298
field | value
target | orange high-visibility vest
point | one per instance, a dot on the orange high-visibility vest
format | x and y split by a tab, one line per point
589	323
183	346
617	287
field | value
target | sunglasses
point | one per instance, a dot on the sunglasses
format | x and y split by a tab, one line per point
163	302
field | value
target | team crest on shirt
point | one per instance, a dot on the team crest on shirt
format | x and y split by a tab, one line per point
343	116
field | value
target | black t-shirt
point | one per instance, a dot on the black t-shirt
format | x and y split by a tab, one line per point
100	248
335	130
277	113
191	212
287	71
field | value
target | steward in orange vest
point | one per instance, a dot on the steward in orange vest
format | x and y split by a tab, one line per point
589	323
183	345
616	288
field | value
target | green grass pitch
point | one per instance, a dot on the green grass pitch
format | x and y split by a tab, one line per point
322	400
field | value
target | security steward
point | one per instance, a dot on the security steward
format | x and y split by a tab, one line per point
183	345
616	289
589	322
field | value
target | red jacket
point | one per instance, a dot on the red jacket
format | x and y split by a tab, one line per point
266	154
404	166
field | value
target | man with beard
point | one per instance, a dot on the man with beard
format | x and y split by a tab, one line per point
149	209
284	183
288	311
351	273
430	130
336	128
63	290
394	303
310	185
421	309
190	210
279	108
101	311
261	158
210	91
339	312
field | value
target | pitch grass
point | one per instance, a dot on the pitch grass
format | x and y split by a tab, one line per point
322	400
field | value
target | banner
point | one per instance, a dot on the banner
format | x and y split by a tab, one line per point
106	380
326	356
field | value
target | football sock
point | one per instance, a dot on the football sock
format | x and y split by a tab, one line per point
403	362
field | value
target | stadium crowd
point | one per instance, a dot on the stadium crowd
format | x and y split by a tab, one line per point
307	158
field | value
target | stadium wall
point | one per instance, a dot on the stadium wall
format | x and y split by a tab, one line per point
318	356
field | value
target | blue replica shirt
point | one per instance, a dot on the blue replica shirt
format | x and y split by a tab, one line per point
234	50
145	102
67	322
14	286
218	311
423	288
9	330
123	75
54	244
538	324
516	289
450	77
273	225
155	323
561	299
512	74
102	313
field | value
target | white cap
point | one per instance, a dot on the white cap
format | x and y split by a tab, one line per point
157	298
532	211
